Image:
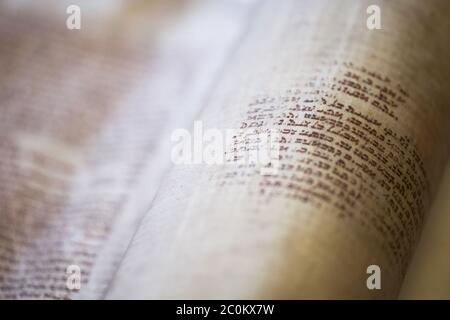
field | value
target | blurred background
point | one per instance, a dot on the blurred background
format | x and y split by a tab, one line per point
428	276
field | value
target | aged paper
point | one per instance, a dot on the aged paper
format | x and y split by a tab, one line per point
363	117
